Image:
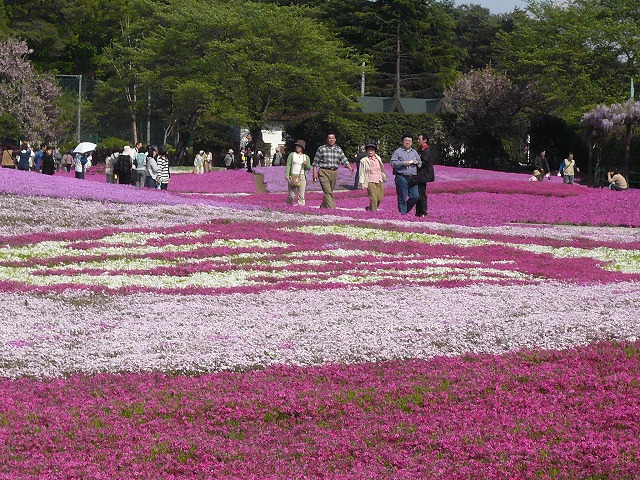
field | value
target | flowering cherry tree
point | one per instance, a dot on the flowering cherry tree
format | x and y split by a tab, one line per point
618	116
487	114
26	95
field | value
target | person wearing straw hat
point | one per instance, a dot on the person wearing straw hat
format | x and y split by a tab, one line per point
372	176
298	164
123	165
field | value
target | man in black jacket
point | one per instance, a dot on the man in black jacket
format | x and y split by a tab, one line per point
542	165
425	174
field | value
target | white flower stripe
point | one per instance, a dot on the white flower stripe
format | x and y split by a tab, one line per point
55	335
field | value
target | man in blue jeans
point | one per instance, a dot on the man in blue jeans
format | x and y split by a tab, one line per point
405	162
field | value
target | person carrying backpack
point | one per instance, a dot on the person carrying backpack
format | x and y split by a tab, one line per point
140	166
122	167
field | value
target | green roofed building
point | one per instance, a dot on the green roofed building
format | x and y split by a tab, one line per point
399	105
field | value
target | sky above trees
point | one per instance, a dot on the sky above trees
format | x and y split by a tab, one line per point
495	6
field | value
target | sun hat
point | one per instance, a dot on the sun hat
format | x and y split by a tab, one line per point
301	143
127	150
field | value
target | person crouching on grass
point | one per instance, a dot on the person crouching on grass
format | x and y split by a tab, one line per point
372	176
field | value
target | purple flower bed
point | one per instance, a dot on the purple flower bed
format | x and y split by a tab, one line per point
243	338
190	260
216	182
494	199
64	185
531	414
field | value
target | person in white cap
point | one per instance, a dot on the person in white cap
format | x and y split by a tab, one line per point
198	163
228	159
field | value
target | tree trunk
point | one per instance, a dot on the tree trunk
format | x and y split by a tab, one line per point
134	119
184	136
627	151
591	179
181	147
398	60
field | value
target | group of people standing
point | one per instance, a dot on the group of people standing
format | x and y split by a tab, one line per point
568	169
203	162
143	167
46	160
412	169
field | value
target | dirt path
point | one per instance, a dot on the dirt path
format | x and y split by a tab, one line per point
258	179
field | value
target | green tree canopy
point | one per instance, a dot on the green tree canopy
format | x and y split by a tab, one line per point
579	53
476	30
221	59
65	35
408	43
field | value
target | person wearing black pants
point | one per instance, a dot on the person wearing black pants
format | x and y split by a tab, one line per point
425	174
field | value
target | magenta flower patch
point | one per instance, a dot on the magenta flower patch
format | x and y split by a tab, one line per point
210	331
571	414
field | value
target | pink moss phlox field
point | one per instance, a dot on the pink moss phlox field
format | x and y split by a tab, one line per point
459	196
356	345
218	182
17	182
529	414
215	182
599	207
274	178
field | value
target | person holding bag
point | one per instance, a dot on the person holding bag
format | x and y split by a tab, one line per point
568	169
298	164
372	177
426	174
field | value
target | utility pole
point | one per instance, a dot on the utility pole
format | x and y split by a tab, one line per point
398	60
149	117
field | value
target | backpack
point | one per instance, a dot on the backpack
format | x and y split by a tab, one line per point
118	166
141	160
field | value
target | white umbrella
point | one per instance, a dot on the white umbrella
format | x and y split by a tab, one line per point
84	147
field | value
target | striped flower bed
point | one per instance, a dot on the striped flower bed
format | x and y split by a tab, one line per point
149	334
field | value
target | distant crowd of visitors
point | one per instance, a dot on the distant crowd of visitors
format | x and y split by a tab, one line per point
143	167
412	168
46	160
249	158
568	169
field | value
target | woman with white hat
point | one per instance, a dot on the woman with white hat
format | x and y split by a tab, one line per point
298	164
228	159
198	162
